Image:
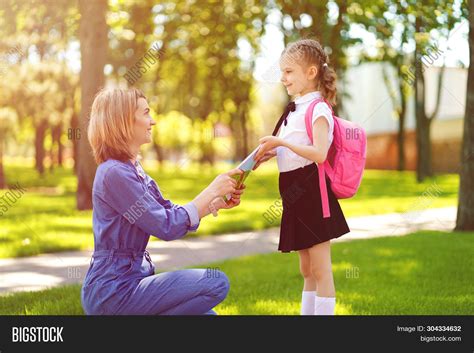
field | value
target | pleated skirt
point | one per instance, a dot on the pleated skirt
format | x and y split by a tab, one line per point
302	223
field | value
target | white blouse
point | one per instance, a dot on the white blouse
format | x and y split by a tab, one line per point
295	131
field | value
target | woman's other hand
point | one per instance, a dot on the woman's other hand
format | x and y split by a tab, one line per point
224	184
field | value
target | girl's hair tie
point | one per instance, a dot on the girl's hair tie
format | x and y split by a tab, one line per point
325	65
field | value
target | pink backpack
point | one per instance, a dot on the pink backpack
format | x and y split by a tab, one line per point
345	161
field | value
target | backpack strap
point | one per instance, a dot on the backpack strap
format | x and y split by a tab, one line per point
321	166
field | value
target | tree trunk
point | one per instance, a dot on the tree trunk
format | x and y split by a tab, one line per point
243	126
335	38
423	141
75	142
58	131
40	133
237	133
56	156
51	156
423	164
156	146
401	120
399	105
465	215
93	39
401	140
159	153
2	173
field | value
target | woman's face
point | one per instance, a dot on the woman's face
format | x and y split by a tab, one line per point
143	123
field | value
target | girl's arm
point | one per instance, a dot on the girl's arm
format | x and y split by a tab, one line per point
317	152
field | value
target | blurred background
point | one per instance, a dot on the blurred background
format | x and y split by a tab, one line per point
210	72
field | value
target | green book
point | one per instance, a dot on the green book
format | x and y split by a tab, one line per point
246	166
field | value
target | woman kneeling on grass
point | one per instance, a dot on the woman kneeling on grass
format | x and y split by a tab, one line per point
128	207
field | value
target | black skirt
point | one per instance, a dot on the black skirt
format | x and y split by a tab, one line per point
302	223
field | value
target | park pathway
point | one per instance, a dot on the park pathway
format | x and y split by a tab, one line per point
49	270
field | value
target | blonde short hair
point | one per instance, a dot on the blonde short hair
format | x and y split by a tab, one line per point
111	123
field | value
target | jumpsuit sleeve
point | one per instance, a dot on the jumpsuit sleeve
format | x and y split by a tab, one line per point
189	207
127	196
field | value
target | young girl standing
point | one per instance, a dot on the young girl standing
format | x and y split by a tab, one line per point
306	74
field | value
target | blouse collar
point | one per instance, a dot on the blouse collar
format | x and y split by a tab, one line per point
308	97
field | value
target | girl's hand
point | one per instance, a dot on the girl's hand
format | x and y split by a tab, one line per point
268	143
233	202
267	156
224	184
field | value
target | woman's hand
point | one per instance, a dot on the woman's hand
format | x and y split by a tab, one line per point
224	184
268	143
267	156
219	202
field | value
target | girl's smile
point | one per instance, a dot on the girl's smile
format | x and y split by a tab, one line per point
297	79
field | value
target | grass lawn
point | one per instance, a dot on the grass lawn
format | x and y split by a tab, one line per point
44	219
422	273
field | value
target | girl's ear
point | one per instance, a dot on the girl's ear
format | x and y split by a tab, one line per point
312	72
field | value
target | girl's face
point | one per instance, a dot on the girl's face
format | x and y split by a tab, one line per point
297	79
143	123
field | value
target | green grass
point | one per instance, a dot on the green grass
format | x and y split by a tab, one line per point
425	273
45	218
414	274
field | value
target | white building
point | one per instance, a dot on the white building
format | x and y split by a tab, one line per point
370	105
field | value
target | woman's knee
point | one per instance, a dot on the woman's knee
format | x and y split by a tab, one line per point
220	285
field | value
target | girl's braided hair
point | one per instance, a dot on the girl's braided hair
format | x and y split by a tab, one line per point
311	52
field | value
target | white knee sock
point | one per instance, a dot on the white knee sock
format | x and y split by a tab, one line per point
307	302
324	305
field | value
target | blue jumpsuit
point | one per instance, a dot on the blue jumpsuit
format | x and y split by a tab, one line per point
127	208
